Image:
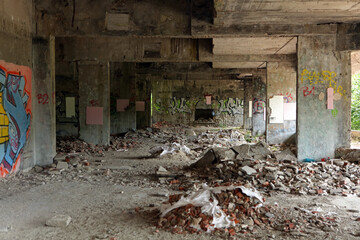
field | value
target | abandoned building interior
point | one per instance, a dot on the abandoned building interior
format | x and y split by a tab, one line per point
179	119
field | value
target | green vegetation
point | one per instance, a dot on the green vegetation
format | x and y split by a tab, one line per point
355	102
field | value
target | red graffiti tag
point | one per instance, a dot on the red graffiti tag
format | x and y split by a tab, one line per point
94	103
43	98
306	91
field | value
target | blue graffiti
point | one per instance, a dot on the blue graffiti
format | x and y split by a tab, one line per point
14	102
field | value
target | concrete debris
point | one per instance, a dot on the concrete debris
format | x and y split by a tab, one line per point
230	210
208	159
286	155
287	175
248	170
62	165
58	221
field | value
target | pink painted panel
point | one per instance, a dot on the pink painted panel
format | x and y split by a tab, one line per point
122	104
140	106
94	115
208	100
330	98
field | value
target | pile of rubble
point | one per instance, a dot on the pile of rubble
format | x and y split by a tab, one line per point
236	209
258	166
75	145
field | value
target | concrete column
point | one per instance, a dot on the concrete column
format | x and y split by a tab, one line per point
320	67
247	98
259	106
94	92
281	80
44	121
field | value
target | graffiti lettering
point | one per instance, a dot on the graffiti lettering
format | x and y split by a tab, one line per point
334	112
179	106
259	106
306	91
43	98
288	98
15	111
231	106
315	78
94	103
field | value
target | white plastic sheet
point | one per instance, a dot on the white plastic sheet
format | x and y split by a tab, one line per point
201	199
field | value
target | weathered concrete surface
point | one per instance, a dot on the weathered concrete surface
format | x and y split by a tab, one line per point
322	130
67	85
149	17
143	93
94	83
281	80
259	106
122	82
177	100
44	120
248	96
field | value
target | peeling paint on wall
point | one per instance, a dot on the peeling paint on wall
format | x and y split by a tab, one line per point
15	114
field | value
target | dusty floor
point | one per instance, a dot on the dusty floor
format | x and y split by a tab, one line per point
102	198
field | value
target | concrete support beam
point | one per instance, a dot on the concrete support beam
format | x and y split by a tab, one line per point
210	31
44	120
321	130
94	91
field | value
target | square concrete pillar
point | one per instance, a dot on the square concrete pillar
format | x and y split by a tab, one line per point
321	130
259	106
94	92
44	120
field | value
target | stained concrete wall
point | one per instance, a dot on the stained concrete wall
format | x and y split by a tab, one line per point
67	85
320	130
248	98
281	80
176	101
94	83
84	17
44	120
122	82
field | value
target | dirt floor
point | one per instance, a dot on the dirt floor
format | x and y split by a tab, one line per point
115	197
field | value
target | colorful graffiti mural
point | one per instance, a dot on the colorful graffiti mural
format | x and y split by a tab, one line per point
15	114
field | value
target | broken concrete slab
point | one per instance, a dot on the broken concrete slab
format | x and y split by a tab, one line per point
224	154
62	165
242	151
285	155
208	159
248	170
58	221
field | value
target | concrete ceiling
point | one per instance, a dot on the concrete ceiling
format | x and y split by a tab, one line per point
259	46
236	12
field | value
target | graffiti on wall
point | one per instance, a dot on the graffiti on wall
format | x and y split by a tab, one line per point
175	105
231	106
287	97
179	106
259	106
15	114
327	77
